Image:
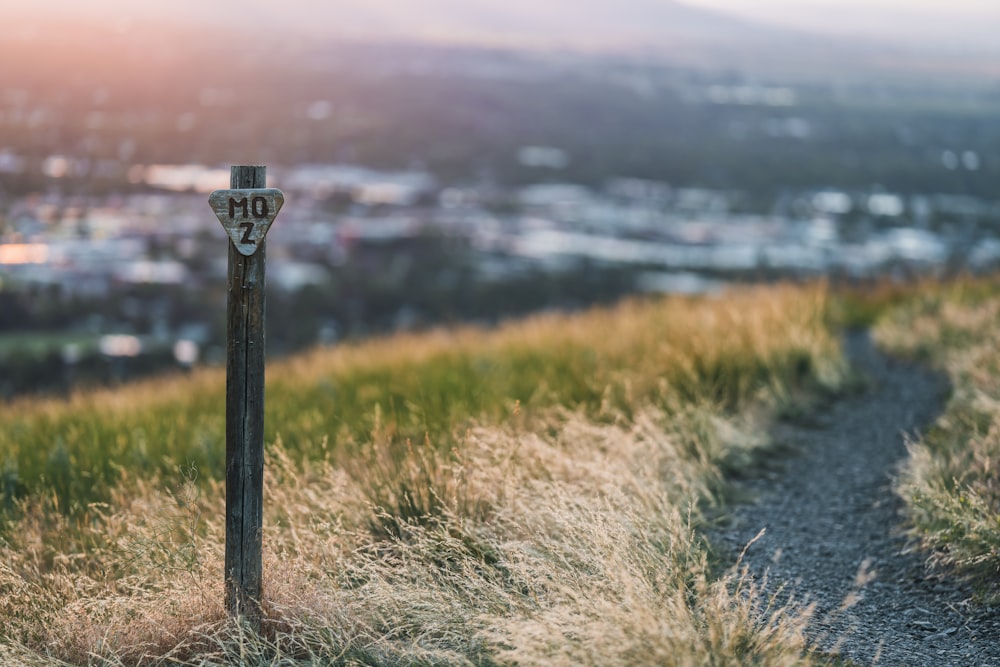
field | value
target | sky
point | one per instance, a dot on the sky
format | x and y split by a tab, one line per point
956	24
805	7
870	18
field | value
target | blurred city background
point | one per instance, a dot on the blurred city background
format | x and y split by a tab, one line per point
470	161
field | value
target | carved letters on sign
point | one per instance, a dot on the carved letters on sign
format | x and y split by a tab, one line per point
246	215
259	207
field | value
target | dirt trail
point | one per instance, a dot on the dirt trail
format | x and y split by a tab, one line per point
833	530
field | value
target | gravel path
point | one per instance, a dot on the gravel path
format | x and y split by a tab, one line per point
833	538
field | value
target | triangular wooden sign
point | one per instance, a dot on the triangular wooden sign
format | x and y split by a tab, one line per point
246	215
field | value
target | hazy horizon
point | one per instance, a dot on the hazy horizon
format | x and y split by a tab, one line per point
962	26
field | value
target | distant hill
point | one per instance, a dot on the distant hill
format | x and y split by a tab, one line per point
659	28
565	21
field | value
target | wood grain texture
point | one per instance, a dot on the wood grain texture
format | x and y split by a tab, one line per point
245	420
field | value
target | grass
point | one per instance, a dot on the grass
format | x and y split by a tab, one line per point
40	343
427	387
951	482
526	495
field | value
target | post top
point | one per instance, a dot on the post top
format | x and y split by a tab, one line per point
247	176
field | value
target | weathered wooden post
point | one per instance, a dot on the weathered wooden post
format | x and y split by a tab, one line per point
246	212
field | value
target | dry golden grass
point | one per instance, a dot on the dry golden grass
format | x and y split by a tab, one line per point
951	482
573	548
551	518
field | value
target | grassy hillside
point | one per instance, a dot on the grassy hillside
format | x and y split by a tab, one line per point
951	483
525	495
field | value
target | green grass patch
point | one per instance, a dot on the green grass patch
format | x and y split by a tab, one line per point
432	387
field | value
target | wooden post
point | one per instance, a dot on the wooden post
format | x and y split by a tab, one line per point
246	212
